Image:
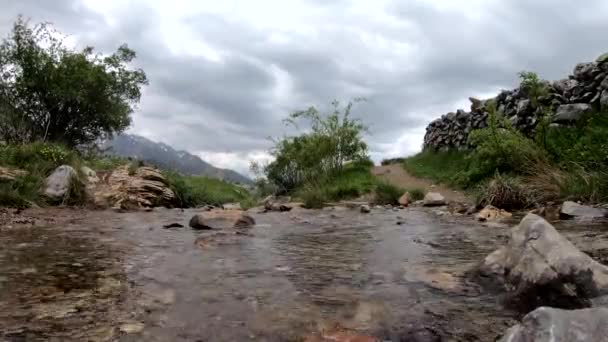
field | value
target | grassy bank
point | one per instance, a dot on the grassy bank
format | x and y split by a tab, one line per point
40	159
511	171
193	191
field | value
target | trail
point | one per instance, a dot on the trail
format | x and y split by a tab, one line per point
395	174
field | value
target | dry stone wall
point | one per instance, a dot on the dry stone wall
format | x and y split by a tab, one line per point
582	92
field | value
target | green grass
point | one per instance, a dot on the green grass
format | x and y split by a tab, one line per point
193	191
443	167
386	193
353	181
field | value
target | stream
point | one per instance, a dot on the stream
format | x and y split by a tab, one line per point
79	275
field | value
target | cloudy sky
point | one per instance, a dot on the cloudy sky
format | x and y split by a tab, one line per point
223	73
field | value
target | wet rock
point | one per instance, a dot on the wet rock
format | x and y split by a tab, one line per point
281	204
58	184
405	199
491	213
10	174
571	112
540	267
232	206
433	199
132	328
365	208
555	325
572	209
221	219
173	225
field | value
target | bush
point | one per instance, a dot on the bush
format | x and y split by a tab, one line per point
314	197
505	192
386	193
416	194
193	191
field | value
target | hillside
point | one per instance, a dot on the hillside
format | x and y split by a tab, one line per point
166	157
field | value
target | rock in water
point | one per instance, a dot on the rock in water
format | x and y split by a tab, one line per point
555	325
221	219
365	209
433	199
571	209
540	267
571	112
58	184
491	213
405	199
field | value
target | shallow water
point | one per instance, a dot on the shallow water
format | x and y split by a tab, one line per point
105	276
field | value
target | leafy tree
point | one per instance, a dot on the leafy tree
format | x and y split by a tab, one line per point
50	92
333	140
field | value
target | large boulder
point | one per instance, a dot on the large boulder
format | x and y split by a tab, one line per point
221	219
572	209
58	184
555	325
433	199
144	188
540	267
569	113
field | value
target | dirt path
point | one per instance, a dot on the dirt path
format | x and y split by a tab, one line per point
397	175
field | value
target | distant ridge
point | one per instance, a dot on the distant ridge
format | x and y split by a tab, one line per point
166	157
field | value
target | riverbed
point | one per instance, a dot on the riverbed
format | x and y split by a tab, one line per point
392	275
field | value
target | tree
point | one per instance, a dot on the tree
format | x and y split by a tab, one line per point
333	140
50	92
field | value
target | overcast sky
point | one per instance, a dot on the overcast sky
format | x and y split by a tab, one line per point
223	73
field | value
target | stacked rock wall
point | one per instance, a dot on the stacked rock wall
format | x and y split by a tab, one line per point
582	92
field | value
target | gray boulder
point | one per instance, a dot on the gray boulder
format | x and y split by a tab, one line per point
365	208
433	199
572	209
58	184
221	219
540	267
555	325
571	112
604	100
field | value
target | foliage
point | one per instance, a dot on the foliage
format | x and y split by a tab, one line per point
387	193
52	93
416	194
194	191
537	91
500	148
322	152
313	196
505	192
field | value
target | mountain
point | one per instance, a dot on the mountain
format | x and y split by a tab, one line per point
165	157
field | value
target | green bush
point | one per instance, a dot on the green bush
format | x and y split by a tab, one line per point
416	194
314	197
386	193
505	192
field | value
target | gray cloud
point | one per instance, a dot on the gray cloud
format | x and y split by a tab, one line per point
413	61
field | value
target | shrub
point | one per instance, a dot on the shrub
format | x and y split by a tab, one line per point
416	194
505	192
314	197
386	193
447	167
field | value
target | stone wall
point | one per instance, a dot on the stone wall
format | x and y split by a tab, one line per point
584	91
